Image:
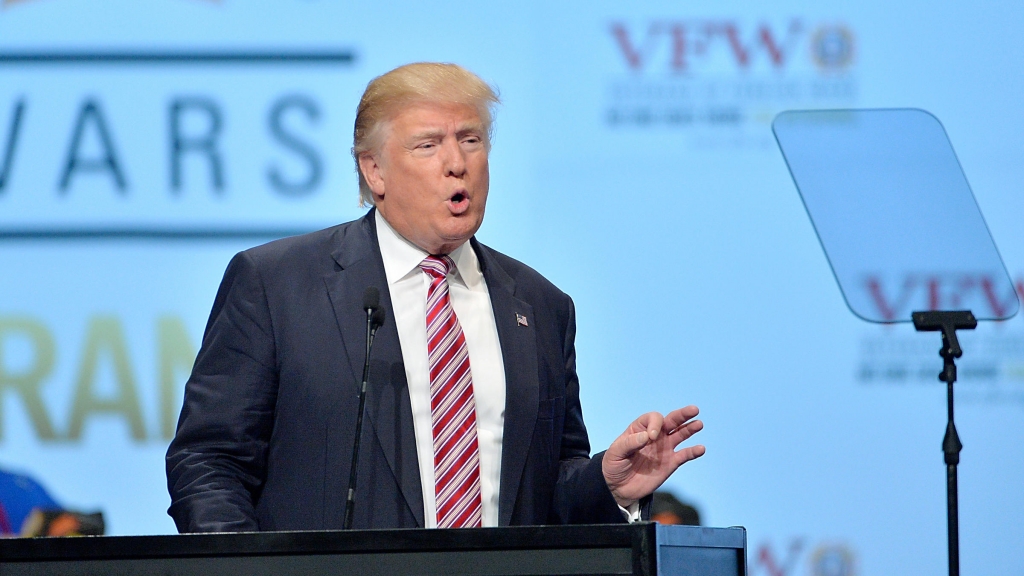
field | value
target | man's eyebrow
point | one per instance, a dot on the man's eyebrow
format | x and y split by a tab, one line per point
428	133
434	133
470	127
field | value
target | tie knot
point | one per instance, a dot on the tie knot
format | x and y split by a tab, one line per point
438	266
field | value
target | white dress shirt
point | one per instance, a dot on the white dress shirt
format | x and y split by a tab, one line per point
408	285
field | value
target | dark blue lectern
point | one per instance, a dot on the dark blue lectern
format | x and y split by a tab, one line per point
644	548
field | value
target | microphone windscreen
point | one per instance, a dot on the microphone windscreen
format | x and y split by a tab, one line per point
371	298
378	316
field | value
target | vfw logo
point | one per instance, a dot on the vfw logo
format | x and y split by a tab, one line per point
726	77
895	299
696	46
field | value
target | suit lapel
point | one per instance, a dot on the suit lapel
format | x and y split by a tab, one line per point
387	405
522	388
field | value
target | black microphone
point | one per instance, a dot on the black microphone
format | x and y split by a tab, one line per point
377	318
371	298
374	319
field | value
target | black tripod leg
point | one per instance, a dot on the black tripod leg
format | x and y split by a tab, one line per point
951	447
952	521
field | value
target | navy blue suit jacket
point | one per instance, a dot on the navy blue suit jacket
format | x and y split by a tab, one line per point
267	427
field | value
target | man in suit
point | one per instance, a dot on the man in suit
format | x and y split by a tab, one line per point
472	415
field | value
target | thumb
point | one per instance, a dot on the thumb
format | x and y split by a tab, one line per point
633	442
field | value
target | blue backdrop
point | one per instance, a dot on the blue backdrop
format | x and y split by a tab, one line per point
144	143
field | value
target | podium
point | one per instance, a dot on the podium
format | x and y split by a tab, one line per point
643	548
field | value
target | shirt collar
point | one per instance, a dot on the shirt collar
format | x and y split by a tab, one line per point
402	258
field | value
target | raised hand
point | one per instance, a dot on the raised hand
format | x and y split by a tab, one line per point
645	455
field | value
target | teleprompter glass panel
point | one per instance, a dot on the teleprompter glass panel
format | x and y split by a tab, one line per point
894	213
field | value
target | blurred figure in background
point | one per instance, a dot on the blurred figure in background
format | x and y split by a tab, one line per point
667	509
27	509
19	495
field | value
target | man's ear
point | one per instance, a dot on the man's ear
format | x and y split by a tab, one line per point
373	173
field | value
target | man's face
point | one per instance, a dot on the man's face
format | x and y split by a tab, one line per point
430	178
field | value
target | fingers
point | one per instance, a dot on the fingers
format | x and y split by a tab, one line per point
680	428
655	422
638	440
677	418
690	453
684	432
628	444
651	422
678	424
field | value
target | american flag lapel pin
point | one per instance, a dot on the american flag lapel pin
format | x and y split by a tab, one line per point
521	320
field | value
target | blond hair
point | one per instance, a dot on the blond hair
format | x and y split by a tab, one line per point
385	95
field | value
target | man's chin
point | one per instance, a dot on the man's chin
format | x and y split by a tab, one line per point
453	238
463	226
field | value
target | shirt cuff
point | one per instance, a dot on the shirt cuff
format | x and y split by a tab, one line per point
631	514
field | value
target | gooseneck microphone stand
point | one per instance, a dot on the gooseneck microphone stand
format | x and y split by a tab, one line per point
374	320
948	323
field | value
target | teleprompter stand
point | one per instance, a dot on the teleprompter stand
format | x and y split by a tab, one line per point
892	207
948	322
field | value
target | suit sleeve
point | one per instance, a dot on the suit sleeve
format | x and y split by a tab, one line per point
581	493
216	463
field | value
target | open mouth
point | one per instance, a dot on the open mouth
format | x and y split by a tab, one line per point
459	202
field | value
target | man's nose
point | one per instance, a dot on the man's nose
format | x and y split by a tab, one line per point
454	158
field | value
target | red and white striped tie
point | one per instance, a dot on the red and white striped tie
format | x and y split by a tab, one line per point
452	407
